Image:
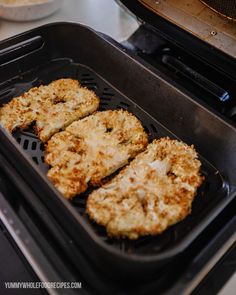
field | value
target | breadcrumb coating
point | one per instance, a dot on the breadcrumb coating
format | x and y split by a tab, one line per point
93	148
52	107
153	192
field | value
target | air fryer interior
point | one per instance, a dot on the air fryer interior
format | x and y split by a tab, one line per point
124	81
212	191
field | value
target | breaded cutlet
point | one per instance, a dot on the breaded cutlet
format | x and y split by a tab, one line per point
153	192
93	148
52	107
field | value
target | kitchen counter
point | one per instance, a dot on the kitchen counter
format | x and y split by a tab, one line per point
107	17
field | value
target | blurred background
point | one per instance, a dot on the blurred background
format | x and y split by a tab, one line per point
102	15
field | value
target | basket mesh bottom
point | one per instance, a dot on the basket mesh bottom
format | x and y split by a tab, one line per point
211	192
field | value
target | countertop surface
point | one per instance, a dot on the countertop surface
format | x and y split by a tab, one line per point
103	15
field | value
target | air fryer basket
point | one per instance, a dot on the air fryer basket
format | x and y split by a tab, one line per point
225	7
121	81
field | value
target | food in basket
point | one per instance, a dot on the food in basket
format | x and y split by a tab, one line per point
153	192
52	108
93	148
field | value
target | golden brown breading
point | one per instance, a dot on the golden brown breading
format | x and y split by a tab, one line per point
78	105
92	149
21	111
155	191
51	107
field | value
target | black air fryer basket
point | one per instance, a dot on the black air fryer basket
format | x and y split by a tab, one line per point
121	80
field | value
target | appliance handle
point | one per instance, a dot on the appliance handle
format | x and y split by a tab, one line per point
178	66
21	49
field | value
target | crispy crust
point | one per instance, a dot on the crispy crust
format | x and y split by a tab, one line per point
93	148
154	192
52	107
